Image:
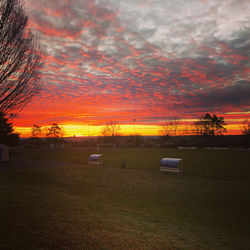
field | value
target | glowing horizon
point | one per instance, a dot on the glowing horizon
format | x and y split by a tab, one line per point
125	130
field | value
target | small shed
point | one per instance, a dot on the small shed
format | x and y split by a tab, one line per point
173	165
4	152
95	159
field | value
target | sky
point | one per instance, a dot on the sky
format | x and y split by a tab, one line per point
149	60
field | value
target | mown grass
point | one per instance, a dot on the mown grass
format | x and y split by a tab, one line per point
86	207
216	163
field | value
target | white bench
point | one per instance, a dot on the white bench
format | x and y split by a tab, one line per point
95	159
173	165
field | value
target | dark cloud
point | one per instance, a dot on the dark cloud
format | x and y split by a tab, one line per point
221	100
152	57
236	95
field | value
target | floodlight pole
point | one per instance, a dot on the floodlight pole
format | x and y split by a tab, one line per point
134	125
134	130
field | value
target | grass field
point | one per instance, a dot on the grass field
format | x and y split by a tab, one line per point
75	206
217	163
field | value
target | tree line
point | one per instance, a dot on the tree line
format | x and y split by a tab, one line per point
207	125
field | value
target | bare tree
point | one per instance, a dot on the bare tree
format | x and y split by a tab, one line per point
36	131
187	130
199	128
175	123
20	57
111	129
166	129
170	128
245	128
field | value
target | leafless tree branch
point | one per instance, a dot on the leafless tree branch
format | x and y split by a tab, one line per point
20	57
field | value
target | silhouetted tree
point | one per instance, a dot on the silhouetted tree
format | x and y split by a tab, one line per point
55	134
187	130
198	128
35	140
36	131
210	125
170	128
175	124
218	125
55	131
245	128
111	131
7	135
20	57
166	131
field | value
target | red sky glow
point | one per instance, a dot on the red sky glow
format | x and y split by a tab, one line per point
146	60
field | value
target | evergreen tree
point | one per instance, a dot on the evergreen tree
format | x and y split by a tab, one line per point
7	135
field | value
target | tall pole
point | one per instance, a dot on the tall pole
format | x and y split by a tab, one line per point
134	130
134	125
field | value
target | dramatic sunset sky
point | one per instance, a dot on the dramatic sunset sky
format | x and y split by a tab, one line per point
149	60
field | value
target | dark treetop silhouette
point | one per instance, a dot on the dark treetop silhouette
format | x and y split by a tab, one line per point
210	125
20	57
112	128
7	135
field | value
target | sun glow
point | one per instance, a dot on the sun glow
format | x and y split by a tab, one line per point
71	130
78	130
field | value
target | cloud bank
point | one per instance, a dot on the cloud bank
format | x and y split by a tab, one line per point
149	59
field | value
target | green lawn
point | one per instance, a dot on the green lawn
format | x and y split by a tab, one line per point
68	206
217	163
